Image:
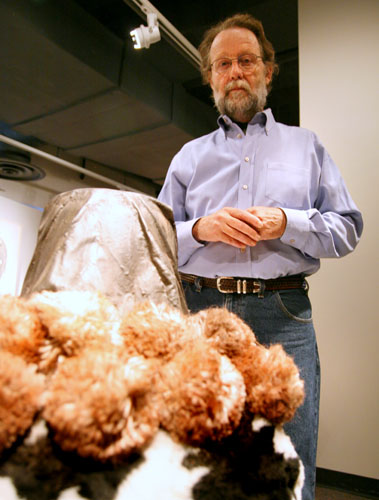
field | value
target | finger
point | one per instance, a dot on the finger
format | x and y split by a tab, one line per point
273	221
226	227
249	218
241	233
236	243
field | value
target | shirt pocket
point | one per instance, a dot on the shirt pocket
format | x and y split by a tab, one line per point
287	185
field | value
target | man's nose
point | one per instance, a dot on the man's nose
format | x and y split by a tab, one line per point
235	70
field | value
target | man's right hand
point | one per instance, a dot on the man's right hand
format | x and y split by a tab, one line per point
233	226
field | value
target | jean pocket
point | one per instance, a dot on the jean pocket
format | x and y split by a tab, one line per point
295	304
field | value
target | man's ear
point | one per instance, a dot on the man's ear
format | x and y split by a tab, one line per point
268	75
209	75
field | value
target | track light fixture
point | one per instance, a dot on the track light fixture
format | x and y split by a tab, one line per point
144	36
170	33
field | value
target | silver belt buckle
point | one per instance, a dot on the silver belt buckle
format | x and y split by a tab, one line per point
241	285
218	283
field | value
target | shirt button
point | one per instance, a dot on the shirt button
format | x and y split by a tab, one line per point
245	186
247	159
239	136
292	241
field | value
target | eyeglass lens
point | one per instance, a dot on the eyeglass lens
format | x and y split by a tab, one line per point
246	63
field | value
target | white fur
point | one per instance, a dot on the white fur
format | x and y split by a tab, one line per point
7	490
38	431
259	422
283	445
233	388
70	494
162	474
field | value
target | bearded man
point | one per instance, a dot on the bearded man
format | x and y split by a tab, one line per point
256	205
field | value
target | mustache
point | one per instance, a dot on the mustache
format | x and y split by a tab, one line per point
238	84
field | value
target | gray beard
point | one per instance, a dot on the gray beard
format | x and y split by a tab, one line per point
244	109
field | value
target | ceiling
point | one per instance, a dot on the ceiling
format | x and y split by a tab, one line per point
71	78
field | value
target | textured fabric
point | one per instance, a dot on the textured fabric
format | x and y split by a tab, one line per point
285	318
272	165
119	243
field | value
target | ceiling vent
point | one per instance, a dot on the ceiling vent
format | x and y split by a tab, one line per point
16	166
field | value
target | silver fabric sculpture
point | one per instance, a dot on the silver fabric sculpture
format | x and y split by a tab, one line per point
120	243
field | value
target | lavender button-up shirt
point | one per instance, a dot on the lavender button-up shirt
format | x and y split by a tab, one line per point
272	165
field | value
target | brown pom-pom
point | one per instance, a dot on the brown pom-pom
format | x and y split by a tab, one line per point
74	319
101	405
273	385
153	331
21	331
203	395
224	330
21	389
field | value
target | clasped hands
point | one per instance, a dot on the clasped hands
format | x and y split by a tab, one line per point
241	228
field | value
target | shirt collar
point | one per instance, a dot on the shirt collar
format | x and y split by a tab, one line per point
264	118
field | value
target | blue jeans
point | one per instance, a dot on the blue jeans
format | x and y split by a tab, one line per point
283	317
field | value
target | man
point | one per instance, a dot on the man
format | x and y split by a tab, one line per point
256	205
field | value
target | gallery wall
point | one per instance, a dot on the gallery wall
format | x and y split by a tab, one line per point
338	61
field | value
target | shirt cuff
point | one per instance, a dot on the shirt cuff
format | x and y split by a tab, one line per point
186	242
297	227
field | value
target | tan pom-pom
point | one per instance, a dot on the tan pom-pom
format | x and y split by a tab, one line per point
153	331
21	331
273	385
74	319
101	405
203	395
21	389
224	330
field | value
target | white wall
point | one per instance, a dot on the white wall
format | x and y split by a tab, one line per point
338	54
18	235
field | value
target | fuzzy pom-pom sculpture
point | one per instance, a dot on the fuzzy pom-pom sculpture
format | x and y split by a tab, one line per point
104	385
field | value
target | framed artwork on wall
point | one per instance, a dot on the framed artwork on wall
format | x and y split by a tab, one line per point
18	235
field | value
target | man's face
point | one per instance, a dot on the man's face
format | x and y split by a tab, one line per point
237	94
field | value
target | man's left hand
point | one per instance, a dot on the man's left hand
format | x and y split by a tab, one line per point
274	221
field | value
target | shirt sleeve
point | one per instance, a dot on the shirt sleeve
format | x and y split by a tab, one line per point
334	226
173	193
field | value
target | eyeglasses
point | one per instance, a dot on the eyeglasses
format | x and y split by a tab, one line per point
247	62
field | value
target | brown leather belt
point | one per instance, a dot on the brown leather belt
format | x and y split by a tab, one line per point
226	284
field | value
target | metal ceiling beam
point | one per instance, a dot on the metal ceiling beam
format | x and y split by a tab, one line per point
64	163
